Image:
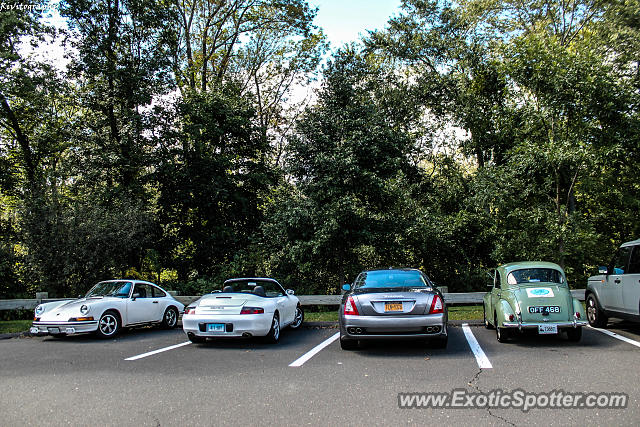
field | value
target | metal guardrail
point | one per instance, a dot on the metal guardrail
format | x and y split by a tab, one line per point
450	298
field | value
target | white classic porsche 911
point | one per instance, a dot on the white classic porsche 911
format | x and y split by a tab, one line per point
243	308
108	307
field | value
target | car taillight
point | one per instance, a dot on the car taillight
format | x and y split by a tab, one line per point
436	305
577	315
511	318
190	310
252	310
350	307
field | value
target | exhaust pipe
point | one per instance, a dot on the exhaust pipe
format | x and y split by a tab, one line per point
429	329
246	334
358	330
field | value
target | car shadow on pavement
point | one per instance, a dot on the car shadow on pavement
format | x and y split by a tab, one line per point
414	348
624	325
530	339
125	335
288	338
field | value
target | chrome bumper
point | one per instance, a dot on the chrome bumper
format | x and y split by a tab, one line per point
526	325
65	328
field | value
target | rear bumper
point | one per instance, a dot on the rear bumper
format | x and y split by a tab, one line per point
528	325
64	328
397	327
236	325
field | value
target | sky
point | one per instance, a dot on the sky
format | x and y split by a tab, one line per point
344	21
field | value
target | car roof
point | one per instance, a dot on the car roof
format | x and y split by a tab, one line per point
631	243
134	281
529	264
391	269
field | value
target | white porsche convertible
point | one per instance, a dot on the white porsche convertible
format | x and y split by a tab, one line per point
243	308
108	307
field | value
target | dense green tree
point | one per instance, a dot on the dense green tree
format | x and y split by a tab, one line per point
347	165
211	175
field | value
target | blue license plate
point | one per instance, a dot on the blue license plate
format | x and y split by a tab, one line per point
215	327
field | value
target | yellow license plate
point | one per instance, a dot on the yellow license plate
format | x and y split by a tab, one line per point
392	306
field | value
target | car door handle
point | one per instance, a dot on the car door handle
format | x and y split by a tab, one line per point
155	302
617	280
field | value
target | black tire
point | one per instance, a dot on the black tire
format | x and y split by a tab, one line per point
574	334
595	316
298	319
440	342
170	318
109	325
487	324
274	333
196	339
347	344
502	334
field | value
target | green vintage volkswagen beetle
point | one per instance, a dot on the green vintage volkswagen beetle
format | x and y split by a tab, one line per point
532	295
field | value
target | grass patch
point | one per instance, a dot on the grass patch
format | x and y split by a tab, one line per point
461	312
466	312
9	326
322	316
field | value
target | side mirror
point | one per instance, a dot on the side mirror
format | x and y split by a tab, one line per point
134	296
603	270
346	287
290	292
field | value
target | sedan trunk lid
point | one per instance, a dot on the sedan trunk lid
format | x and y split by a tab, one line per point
390	303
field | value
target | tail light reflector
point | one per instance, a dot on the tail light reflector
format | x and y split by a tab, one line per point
577	315
190	310
436	305
350	307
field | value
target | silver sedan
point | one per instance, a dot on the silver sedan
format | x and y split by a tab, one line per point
392	304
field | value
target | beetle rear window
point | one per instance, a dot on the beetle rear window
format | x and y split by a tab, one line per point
535	275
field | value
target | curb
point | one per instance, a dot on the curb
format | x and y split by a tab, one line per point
15	335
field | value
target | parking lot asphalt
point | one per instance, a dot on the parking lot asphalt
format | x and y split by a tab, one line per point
81	380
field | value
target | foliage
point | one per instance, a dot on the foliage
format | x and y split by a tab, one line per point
171	148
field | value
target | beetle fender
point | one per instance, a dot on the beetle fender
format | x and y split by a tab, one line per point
503	311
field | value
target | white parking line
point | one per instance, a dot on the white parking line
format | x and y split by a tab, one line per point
315	350
481	358
614	335
151	353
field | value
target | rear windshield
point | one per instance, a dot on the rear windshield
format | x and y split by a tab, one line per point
391	279
534	275
263	288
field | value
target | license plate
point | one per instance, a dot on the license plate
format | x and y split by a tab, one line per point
215	327
392	306
544	309
54	330
547	329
